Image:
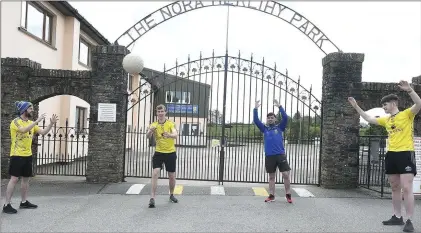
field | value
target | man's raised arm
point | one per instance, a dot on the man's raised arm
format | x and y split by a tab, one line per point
256	120
404	85
364	115
284	119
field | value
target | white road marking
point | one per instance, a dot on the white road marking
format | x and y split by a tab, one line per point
217	190
303	192
135	189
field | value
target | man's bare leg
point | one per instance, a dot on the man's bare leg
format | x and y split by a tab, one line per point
287	182
395	183
287	185
272	183
24	186
171	181
11	188
407	185
154	183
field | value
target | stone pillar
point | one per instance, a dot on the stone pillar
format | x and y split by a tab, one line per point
106	139
340	122
15	74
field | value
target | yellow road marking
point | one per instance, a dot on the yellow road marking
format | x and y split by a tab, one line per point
178	190
260	191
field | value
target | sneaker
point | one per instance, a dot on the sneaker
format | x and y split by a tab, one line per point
408	226
394	221
270	198
288	197
151	203
8	209
27	205
173	199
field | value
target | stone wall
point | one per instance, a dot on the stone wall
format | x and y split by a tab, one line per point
23	79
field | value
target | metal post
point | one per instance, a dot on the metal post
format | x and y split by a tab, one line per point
224	103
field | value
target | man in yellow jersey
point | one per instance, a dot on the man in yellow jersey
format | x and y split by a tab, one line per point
22	131
400	157
165	133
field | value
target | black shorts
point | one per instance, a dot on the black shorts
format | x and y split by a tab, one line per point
169	159
400	162
20	166
276	161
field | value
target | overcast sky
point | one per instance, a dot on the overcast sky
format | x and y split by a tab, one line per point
388	33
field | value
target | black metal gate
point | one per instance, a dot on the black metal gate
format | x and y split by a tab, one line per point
215	96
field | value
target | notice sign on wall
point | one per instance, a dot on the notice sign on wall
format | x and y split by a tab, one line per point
417	178
107	112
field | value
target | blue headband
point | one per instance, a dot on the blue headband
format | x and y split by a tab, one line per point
22	106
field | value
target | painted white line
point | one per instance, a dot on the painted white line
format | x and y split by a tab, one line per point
135	189
217	190
303	192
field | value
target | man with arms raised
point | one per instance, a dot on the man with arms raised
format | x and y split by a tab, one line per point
165	134
400	157
22	131
274	149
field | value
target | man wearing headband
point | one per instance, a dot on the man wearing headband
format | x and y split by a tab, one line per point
400	157
22	130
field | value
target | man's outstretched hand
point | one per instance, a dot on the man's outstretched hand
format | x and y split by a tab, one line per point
257	105
352	101
404	86
276	103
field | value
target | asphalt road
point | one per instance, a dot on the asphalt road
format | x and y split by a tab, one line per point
129	213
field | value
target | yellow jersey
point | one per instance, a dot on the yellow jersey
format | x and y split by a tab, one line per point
21	143
164	145
400	129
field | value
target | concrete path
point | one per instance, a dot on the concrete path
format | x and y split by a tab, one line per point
74	206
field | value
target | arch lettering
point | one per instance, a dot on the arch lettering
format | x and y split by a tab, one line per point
273	8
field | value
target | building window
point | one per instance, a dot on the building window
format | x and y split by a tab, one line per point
177	97
81	119
84	52
37	21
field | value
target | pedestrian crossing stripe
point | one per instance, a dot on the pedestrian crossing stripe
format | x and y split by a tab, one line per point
135	189
260	191
218	190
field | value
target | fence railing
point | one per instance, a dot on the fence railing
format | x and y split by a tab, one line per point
372	151
62	151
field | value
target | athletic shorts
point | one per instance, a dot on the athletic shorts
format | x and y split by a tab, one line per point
400	162
169	159
20	166
276	161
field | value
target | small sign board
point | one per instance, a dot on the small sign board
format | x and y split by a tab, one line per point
107	112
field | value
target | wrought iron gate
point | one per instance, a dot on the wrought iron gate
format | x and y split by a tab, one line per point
214	96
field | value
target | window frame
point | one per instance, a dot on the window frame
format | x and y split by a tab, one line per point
80	127
89	46
184	94
46	13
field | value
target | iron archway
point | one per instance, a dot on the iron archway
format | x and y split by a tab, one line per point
273	8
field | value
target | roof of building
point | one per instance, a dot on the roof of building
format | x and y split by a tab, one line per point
66	9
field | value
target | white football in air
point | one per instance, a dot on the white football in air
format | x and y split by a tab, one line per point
133	64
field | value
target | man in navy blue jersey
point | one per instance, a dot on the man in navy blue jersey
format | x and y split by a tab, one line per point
274	149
